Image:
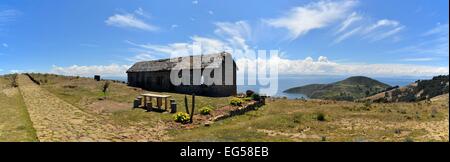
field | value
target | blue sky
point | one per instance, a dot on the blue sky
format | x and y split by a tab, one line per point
367	37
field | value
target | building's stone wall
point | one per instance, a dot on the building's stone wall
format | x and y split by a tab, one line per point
160	81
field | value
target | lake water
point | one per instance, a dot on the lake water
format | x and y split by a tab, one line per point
286	82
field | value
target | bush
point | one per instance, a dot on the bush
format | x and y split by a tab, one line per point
249	93
181	117
368	103
14	80
255	97
236	102
321	117
206	110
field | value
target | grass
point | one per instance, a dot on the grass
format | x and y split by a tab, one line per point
279	120
294	120
82	92
15	123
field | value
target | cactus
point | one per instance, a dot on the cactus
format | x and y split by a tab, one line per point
186	104
193	107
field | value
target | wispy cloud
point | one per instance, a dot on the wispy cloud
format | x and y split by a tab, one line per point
300	20
375	31
354	17
386	34
130	20
347	35
228	36
236	34
382	23
5	45
207	45
436	43
195	2
8	15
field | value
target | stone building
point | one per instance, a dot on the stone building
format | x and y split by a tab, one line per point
206	75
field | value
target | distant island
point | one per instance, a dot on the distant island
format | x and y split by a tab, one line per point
350	89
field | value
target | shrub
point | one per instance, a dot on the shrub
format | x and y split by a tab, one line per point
236	102
181	117
368	103
247	99
255	97
14	80
105	87
249	93
206	110
408	139
321	117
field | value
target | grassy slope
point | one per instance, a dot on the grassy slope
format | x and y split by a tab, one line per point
296	120
15	124
84	91
280	120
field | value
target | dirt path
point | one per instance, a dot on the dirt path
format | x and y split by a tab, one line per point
57	120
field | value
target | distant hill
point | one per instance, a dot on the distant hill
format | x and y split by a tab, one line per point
417	91
349	89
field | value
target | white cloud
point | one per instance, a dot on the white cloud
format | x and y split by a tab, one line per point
141	57
129	20
173	26
316	15
195	2
77	70
5	45
440	29
354	17
387	34
139	11
236	34
231	36
436	43
347	35
379	30
211	12
208	45
16	71
382	23
323	66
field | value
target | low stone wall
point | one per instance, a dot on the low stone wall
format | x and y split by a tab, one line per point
241	110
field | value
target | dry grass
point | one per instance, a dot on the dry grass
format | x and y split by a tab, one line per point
15	123
279	120
86	92
295	120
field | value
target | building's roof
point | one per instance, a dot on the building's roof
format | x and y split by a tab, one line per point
169	64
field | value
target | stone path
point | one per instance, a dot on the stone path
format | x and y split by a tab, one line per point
57	120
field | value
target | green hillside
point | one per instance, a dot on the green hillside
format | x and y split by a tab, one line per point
349	89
